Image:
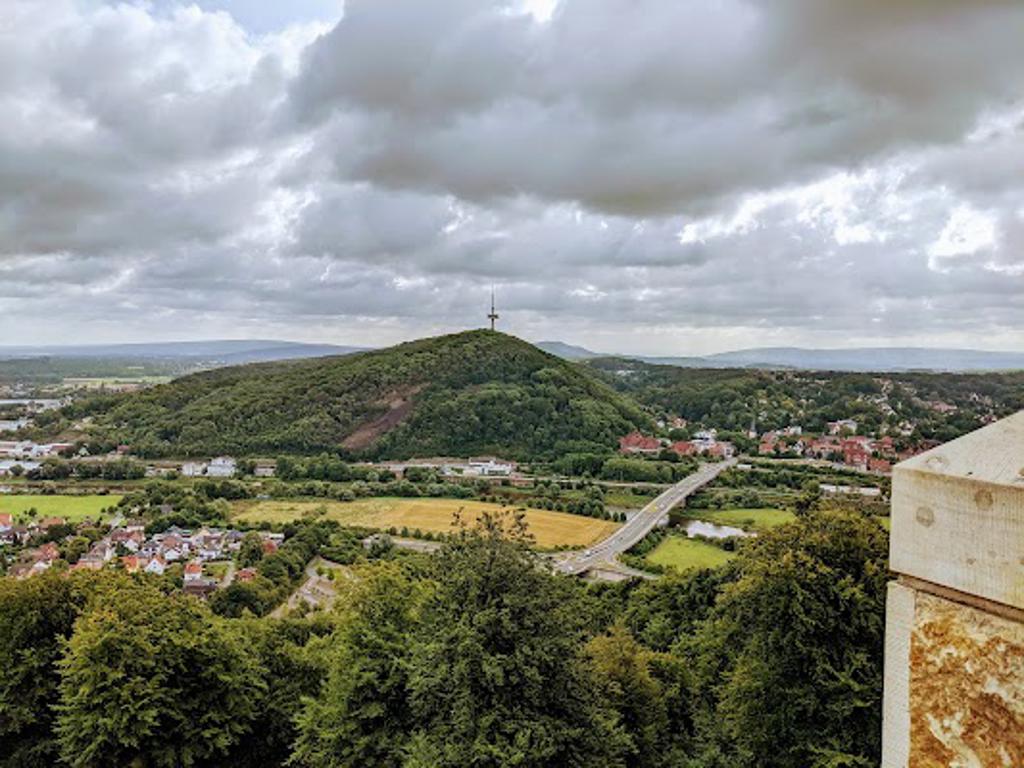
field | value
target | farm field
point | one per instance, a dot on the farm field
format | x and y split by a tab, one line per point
682	554
755	519
72	508
551	529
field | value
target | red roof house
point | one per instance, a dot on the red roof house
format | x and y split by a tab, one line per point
635	442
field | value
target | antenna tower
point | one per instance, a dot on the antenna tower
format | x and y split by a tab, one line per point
493	315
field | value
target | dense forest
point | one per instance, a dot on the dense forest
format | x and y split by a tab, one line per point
468	393
476	656
937	405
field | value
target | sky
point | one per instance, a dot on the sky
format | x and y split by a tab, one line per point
637	176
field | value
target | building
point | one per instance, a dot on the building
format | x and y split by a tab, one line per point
199	587
837	427
222	466
683	448
193	571
488	466
635	442
722	450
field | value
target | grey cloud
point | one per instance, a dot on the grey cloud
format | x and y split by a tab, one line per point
629	168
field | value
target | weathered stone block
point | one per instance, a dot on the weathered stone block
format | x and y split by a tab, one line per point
954	693
958	514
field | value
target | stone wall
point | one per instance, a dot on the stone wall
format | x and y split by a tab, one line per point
954	678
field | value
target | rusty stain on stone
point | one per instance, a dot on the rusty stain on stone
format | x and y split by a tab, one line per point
966	687
925	516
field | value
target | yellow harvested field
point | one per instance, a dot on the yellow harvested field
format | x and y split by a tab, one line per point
550	529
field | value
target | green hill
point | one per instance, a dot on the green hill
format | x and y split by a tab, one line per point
472	392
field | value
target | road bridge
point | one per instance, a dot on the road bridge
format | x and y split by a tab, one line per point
602	556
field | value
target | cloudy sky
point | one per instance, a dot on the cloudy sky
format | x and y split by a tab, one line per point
649	176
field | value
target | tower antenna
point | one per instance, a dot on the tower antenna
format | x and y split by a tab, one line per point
494	315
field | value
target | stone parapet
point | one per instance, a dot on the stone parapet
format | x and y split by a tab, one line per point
954	668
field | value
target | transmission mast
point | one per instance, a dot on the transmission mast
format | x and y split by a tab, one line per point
493	315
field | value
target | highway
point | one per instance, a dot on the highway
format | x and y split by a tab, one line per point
640	524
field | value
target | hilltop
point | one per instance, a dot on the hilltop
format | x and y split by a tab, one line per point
472	392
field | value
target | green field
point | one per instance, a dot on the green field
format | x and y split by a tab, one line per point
747	519
71	508
550	529
885	522
682	553
626	499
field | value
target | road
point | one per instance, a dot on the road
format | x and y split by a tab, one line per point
640	524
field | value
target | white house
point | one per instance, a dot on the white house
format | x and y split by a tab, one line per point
222	466
193	469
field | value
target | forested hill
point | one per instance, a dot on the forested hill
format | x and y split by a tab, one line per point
467	393
938	406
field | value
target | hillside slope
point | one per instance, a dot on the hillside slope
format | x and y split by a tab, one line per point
472	392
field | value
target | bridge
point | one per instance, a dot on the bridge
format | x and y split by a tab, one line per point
602	556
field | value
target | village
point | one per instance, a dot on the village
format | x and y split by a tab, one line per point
205	557
839	445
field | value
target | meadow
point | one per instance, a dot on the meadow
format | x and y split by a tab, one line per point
550	529
71	508
749	519
682	554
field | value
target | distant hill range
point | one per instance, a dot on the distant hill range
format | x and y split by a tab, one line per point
209	354
228	352
478	392
858	359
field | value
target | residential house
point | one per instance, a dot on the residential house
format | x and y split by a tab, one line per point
837	427
222	466
722	450
855	453
880	465
133	563
193	469
683	448
635	442
202	588
193	571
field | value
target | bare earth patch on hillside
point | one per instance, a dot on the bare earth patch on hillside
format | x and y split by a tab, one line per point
399	405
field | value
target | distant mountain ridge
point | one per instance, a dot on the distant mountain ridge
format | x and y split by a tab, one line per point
865	359
241	351
230	351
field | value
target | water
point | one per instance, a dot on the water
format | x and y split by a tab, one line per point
713	531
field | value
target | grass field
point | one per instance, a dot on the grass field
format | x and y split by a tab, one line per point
550	529
747	519
682	553
885	522
72	508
